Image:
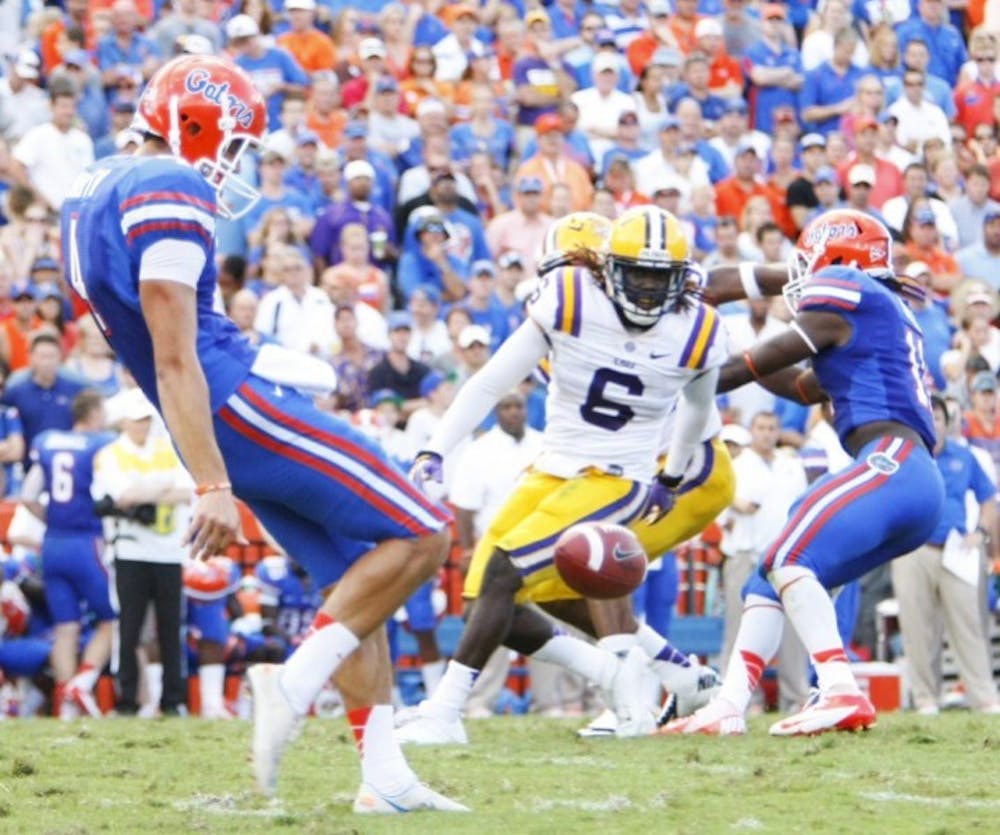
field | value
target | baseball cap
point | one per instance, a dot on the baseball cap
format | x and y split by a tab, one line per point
861	173
605	37
45	264
670	122
303	5
429	105
356	130
242	26
511	258
707	26
826	174
981	296
736	106
430	222
386	84
22	290
430	383
865	123
666	56
773	10
536	16
483	267
991	214
924	216
547	123
136	406
915	269
668	184
604	62
77	58
27	64
984	381
307	137
358	168
735	433
628	117
385	396
471	334
746	146
812	140
398	320
371	48
530	185
658	8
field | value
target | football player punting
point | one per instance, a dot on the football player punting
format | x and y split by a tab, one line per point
139	238
867	356
623	346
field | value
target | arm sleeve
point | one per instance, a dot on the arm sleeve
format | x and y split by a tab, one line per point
34	484
180	261
508	367
695	407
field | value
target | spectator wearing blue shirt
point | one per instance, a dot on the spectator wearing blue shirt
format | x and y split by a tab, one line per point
929	593
775	69
483	132
43	393
125	47
695	75
626	141
122	113
301	176
982	260
466	235
828	91
355	147
92	105
483	307
274	71
944	42
359	175
933	320
275	194
937	91
428	261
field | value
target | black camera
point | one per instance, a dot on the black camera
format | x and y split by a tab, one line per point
143	514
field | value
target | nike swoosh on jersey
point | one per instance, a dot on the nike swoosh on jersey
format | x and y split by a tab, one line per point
653	356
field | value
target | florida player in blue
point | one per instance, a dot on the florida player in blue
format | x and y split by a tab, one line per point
138	235
866	350
72	550
288	600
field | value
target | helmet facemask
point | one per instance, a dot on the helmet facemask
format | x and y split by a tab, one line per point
644	291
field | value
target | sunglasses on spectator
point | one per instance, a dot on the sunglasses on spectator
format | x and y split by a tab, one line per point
987	59
36	218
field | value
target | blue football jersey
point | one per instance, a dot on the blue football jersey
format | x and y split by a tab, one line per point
115	211
67	460
880	374
291	592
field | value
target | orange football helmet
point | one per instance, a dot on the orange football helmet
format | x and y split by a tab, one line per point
840	237
210	114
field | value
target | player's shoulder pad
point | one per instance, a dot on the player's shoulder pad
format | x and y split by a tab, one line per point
834	288
166	183
705	325
558	303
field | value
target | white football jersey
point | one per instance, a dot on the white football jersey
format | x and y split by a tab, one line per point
612	389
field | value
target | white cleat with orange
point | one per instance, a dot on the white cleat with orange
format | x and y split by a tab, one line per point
717	718
828	712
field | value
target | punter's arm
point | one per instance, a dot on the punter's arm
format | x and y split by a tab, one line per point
744	281
170	311
810	333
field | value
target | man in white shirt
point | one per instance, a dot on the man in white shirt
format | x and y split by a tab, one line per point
49	157
919	119
745	330
452	51
23	104
297	314
389	131
662	165
601	105
767	482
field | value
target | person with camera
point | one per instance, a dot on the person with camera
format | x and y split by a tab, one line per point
142	492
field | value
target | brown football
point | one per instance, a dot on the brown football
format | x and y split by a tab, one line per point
600	560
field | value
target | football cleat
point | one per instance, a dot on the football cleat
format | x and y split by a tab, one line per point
705	684
603	725
421	727
417	798
275	724
829	712
717	718
79	702
628	696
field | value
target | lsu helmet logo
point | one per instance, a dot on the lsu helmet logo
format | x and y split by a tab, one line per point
199	81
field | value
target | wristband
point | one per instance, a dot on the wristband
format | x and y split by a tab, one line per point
218	487
671	482
800	389
748	278
748	361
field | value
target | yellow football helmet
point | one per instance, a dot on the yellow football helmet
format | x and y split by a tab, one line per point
569	235
647	265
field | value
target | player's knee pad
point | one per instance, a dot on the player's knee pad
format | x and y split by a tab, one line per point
783	576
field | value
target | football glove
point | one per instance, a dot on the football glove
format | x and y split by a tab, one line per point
427	473
662	496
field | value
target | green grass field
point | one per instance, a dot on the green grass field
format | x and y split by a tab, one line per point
909	775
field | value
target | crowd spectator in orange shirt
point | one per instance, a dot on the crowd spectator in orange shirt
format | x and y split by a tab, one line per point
420	83
553	164
15	331
311	48
683	25
324	115
732	193
725	78
888	179
640	52
923	244
974	97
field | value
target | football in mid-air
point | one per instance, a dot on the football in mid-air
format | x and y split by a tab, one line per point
600	560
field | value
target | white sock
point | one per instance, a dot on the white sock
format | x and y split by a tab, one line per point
448	701
756	643
431	673
85	678
211	681
810	609
382	763
154	683
619	644
595	664
319	655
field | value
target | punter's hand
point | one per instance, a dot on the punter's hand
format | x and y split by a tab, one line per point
215	525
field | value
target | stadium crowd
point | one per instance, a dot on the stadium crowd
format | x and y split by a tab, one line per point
417	154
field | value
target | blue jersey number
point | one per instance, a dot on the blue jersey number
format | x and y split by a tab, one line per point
604	412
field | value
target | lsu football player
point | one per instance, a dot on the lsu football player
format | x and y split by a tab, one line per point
627	344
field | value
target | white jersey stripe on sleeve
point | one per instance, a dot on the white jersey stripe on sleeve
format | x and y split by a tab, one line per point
828	291
168	212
